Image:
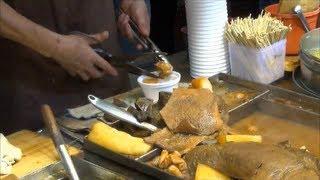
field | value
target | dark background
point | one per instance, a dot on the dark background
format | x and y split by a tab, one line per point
168	17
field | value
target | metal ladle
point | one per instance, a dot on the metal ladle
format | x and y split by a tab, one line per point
298	11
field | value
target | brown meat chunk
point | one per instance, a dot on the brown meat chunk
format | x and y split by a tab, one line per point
182	143
192	111
157	136
255	161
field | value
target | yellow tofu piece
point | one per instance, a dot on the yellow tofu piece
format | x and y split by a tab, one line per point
205	172
117	141
239	138
201	83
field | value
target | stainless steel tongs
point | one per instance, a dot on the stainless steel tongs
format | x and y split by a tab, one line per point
113	60
146	42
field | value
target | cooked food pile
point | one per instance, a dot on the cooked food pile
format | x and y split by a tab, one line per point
197	144
164	69
176	141
256	33
171	162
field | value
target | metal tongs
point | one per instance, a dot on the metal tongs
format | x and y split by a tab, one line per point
119	113
146	42
113	60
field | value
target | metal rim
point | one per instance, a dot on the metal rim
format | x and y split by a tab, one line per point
296	77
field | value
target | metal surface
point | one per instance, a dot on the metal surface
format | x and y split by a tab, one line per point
119	113
297	79
86	169
310	65
303	20
310	71
127	161
253	100
57	138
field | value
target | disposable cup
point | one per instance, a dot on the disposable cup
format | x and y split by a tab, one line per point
151	91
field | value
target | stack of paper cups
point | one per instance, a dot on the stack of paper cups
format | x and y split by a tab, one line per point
208	50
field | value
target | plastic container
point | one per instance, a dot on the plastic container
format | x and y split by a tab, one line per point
151	91
259	65
293	38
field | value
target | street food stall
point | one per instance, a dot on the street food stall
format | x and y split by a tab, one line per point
254	115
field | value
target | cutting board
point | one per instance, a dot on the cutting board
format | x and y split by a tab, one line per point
38	151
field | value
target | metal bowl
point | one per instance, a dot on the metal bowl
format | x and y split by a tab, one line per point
310	65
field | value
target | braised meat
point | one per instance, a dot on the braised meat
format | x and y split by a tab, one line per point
255	161
182	143
192	111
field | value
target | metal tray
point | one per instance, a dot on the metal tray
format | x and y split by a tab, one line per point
272	100
85	169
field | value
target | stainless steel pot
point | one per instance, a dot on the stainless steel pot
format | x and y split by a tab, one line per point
310	65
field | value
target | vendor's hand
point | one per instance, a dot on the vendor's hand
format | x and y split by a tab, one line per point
76	56
138	12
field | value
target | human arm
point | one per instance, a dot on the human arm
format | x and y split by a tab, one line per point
73	53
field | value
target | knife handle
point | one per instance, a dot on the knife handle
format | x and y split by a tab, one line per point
51	124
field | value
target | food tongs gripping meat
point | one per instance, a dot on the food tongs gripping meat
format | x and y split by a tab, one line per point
127	62
146	42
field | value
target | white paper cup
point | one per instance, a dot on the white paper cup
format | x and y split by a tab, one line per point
208	50
151	91
202	65
195	74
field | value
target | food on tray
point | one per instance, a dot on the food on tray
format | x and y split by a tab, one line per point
251	160
239	138
286	6
112	139
172	163
205	172
196	143
201	83
267	31
143	103
164	69
193	111
176	141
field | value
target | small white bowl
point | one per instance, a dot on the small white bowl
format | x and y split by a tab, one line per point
151	90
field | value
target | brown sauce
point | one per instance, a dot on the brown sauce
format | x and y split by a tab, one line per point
275	130
150	80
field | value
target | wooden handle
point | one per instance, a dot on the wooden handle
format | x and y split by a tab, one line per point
50	122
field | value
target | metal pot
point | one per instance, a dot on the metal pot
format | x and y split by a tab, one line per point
310	66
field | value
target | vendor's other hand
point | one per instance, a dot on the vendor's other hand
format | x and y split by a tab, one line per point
138	12
76	56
